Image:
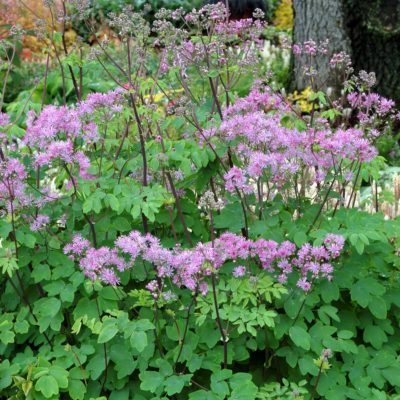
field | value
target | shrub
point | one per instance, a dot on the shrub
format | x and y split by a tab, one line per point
283	18
171	239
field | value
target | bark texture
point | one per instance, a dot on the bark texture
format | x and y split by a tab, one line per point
319	20
367	30
374	30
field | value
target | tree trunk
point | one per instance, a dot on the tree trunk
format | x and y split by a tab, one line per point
374	31
369	31
319	20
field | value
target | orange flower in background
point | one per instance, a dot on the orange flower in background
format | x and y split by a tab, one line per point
26	54
26	13
7	16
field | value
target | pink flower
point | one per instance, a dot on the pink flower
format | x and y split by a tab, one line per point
78	245
164	67
109	277
152	286
203	288
99	100
4	119
296	49
239	271
90	132
39	222
191	267
310	47
304	284
334	244
84	164
235	180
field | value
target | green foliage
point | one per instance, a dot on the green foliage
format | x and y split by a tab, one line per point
272	332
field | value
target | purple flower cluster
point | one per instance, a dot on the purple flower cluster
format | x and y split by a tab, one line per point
222	47
315	261
4	119
235	179
14	191
110	101
78	245
370	105
190	267
12	186
54	130
39	222
240	27
340	60
239	271
265	148
310	48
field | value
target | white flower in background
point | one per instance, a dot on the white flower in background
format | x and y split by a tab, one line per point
272	54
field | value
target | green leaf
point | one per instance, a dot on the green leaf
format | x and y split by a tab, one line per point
87	205
121	224
125	364
96	366
362	290
392	374
57	36
47	385
151	380
7	336
195	363
248	391
221	375
29	240
307	366
138	340
73	60
60	375
21	326
113	201
291	356
218	382
220	388
41	272
230	217
135	211
378	307
203	395
5	228
213	73
375	335
9	265
242	387
300	238
175	383
7	371
122	394
300	337
144	325
76	389
165	367
329	291
108	331
345	334
328	311
47	307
